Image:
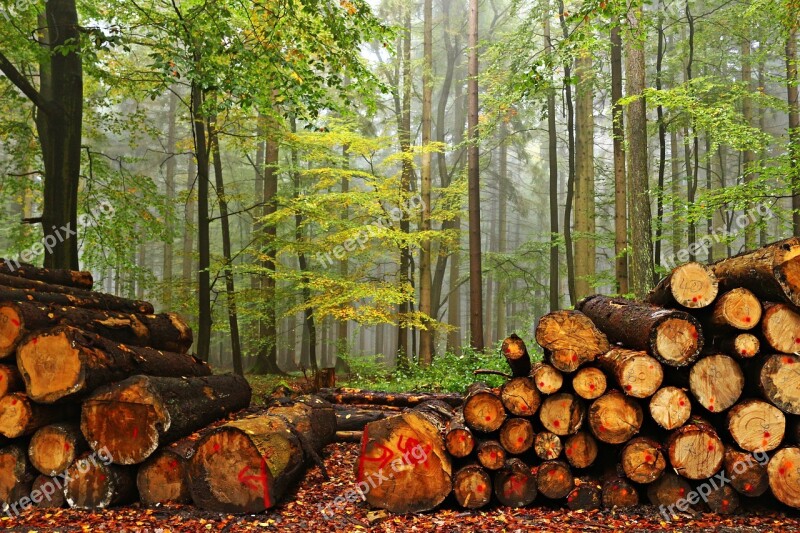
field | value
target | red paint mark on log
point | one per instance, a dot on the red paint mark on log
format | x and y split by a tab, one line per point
15	322
216	447
681	403
34	340
628	387
480	488
747	319
648	458
66	446
681	491
523	407
574	357
259	481
591	386
135	432
711	446
748	487
766	434
488	418
556	423
541	383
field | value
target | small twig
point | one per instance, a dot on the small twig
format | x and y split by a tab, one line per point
485	371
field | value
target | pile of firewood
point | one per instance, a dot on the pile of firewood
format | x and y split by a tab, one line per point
101	404
688	399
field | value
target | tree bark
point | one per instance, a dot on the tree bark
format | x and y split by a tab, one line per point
584	176
620	185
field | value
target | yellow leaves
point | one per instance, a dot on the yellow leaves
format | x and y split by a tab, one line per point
348	6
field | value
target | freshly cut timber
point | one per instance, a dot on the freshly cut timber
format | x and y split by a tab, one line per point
345	395
691	285
570	338
516	435
585	496
491	455
671	336
784	476
642	460
515	484
248	464
472	486
723	499
547	446
589	383
756	425
619	492
748	476
10	380
34	291
667	490
65	362
562	414
615	418
70	278
516	354
94	483
738	308
459	440
743	345
483	409
546	378
53	448
165	331
16	474
164	476
716	382
520	396
778	381
554	479
695	450
351	418
781	327
772	272
50	493
637	374
411	447
581	449
670	407
133	417
19	416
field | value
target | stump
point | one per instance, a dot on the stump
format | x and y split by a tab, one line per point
132	418
671	336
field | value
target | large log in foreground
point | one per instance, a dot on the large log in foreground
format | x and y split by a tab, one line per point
165	331
133	417
771	272
410	450
65	361
69	278
673	337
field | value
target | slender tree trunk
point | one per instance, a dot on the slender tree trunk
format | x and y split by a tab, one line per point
639	208
584	176
571	165
662	147
230	288
203	238
793	21
473	178
692	157
502	230
749	156
676	222
620	186
189	222
342	341
552	151
172	166
404	133
426	332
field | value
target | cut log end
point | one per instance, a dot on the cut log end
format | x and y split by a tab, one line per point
756	425
779	326
748	475
515	484
738	308
581	450
670	407
472	487
570	338
778	381
695	451
562	414
637	374
784	476
585	496
547	379
516	354
677	341
491	455
163	478
50	366
16	474
130	428
520	396
92	484
11	330
10	380
53	448
517	435
642	460
615	418
589	383
484	410
693	285
716	382
618	492
547	446
50	493
554	479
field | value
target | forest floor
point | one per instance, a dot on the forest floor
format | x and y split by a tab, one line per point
302	512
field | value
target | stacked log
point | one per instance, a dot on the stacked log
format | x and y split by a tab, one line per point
696	388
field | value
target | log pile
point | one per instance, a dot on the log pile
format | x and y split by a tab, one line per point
693	393
91	387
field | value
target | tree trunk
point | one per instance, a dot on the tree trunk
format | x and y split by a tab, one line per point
132	418
65	362
620	185
203	237
638	185
584	176
230	290
426	331
404	134
792	81
571	163
662	141
169	184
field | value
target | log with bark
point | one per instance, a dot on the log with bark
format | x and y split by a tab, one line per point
723	499
69	278
65	362
515	484
490	454
55	447
165	331
570	339
32	291
783	471
483	409
691	285
132	418
771	272
642	460
19	416
586	496
778	378
520	396
673	337
637	374
10	380
619	492
92	482
459	440
472	486
345	395
355	418
547	446
781	327
16	475
247	465
668	490
748	475
47	492
516	354
742	345
736	309
516	435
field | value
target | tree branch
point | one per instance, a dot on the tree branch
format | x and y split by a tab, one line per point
22	83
